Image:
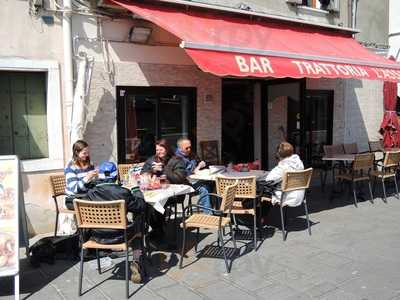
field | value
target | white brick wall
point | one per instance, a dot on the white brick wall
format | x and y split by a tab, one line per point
101	118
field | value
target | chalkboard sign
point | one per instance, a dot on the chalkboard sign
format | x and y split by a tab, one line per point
9	215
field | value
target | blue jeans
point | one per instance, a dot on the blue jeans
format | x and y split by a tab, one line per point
204	198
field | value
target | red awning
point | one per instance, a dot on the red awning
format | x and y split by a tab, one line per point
225	45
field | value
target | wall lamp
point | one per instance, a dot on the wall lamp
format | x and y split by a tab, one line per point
139	34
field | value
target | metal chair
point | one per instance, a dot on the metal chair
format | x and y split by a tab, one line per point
58	185
329	151
294	181
350	148
123	169
360	171
216	221
388	170
246	189
210	152
103	215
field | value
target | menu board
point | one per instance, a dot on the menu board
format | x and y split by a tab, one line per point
9	229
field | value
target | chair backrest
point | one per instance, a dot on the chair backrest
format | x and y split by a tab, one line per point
210	152
296	180
100	214
331	150
246	187
375	146
58	184
123	170
228	197
392	159
363	161
350	148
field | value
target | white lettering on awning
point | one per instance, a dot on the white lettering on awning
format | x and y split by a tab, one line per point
254	64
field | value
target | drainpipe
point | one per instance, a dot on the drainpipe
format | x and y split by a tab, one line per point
68	69
353	13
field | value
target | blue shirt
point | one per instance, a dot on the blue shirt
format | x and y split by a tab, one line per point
75	178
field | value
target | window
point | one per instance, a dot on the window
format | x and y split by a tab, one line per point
23	114
146	114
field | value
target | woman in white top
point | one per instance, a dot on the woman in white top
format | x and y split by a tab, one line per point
287	162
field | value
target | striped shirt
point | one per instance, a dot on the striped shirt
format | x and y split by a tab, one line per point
75	178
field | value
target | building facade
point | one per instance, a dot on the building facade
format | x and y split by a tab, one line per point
137	85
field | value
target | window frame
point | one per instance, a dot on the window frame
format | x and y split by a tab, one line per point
53	110
158	91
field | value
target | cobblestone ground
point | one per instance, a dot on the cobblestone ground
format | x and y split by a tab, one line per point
353	253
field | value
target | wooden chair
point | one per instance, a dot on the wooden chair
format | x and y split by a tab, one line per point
375	146
388	170
123	169
332	150
360	171
350	148
246	189
217	221
293	181
103	215
58	184
210	152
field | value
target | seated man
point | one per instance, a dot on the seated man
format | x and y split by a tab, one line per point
184	152
106	189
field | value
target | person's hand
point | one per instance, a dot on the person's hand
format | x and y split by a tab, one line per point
157	167
91	174
201	165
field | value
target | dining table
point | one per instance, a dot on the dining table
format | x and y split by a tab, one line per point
207	175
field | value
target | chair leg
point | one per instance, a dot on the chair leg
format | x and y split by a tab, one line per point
80	274
283	223
370	192
56	225
308	219
255	231
234	221
98	261
197	239
384	190
397	188
353	185
126	273
183	246
233	236
223	250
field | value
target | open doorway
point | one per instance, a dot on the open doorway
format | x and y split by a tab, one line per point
237	120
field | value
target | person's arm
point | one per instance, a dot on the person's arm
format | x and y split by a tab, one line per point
176	171
75	184
147	167
276	174
134	201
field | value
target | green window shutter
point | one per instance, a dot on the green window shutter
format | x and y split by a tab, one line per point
23	114
37	116
6	141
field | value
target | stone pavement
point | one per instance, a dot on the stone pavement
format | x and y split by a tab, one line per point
353	253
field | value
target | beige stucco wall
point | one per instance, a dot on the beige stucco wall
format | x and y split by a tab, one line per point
27	37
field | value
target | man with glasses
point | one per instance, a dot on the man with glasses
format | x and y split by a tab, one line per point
192	165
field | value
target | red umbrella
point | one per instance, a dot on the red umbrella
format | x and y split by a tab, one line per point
390	128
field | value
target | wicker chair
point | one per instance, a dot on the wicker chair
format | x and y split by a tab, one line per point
103	215
246	189
58	185
388	170
360	171
292	181
216	221
210	152
332	150
123	169
350	148
375	146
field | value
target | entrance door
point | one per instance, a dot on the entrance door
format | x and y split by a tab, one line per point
237	121
310	124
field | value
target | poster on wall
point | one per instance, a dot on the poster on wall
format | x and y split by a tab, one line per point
9	216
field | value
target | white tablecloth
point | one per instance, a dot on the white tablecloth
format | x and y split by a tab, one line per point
158	198
206	176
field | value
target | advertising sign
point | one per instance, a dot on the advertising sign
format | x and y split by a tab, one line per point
9	216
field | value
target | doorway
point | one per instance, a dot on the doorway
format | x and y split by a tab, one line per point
310	124
237	120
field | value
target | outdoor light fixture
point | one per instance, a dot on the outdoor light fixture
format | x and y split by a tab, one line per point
139	34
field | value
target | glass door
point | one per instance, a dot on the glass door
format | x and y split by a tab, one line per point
316	122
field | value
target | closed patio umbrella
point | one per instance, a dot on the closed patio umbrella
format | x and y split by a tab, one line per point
390	128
